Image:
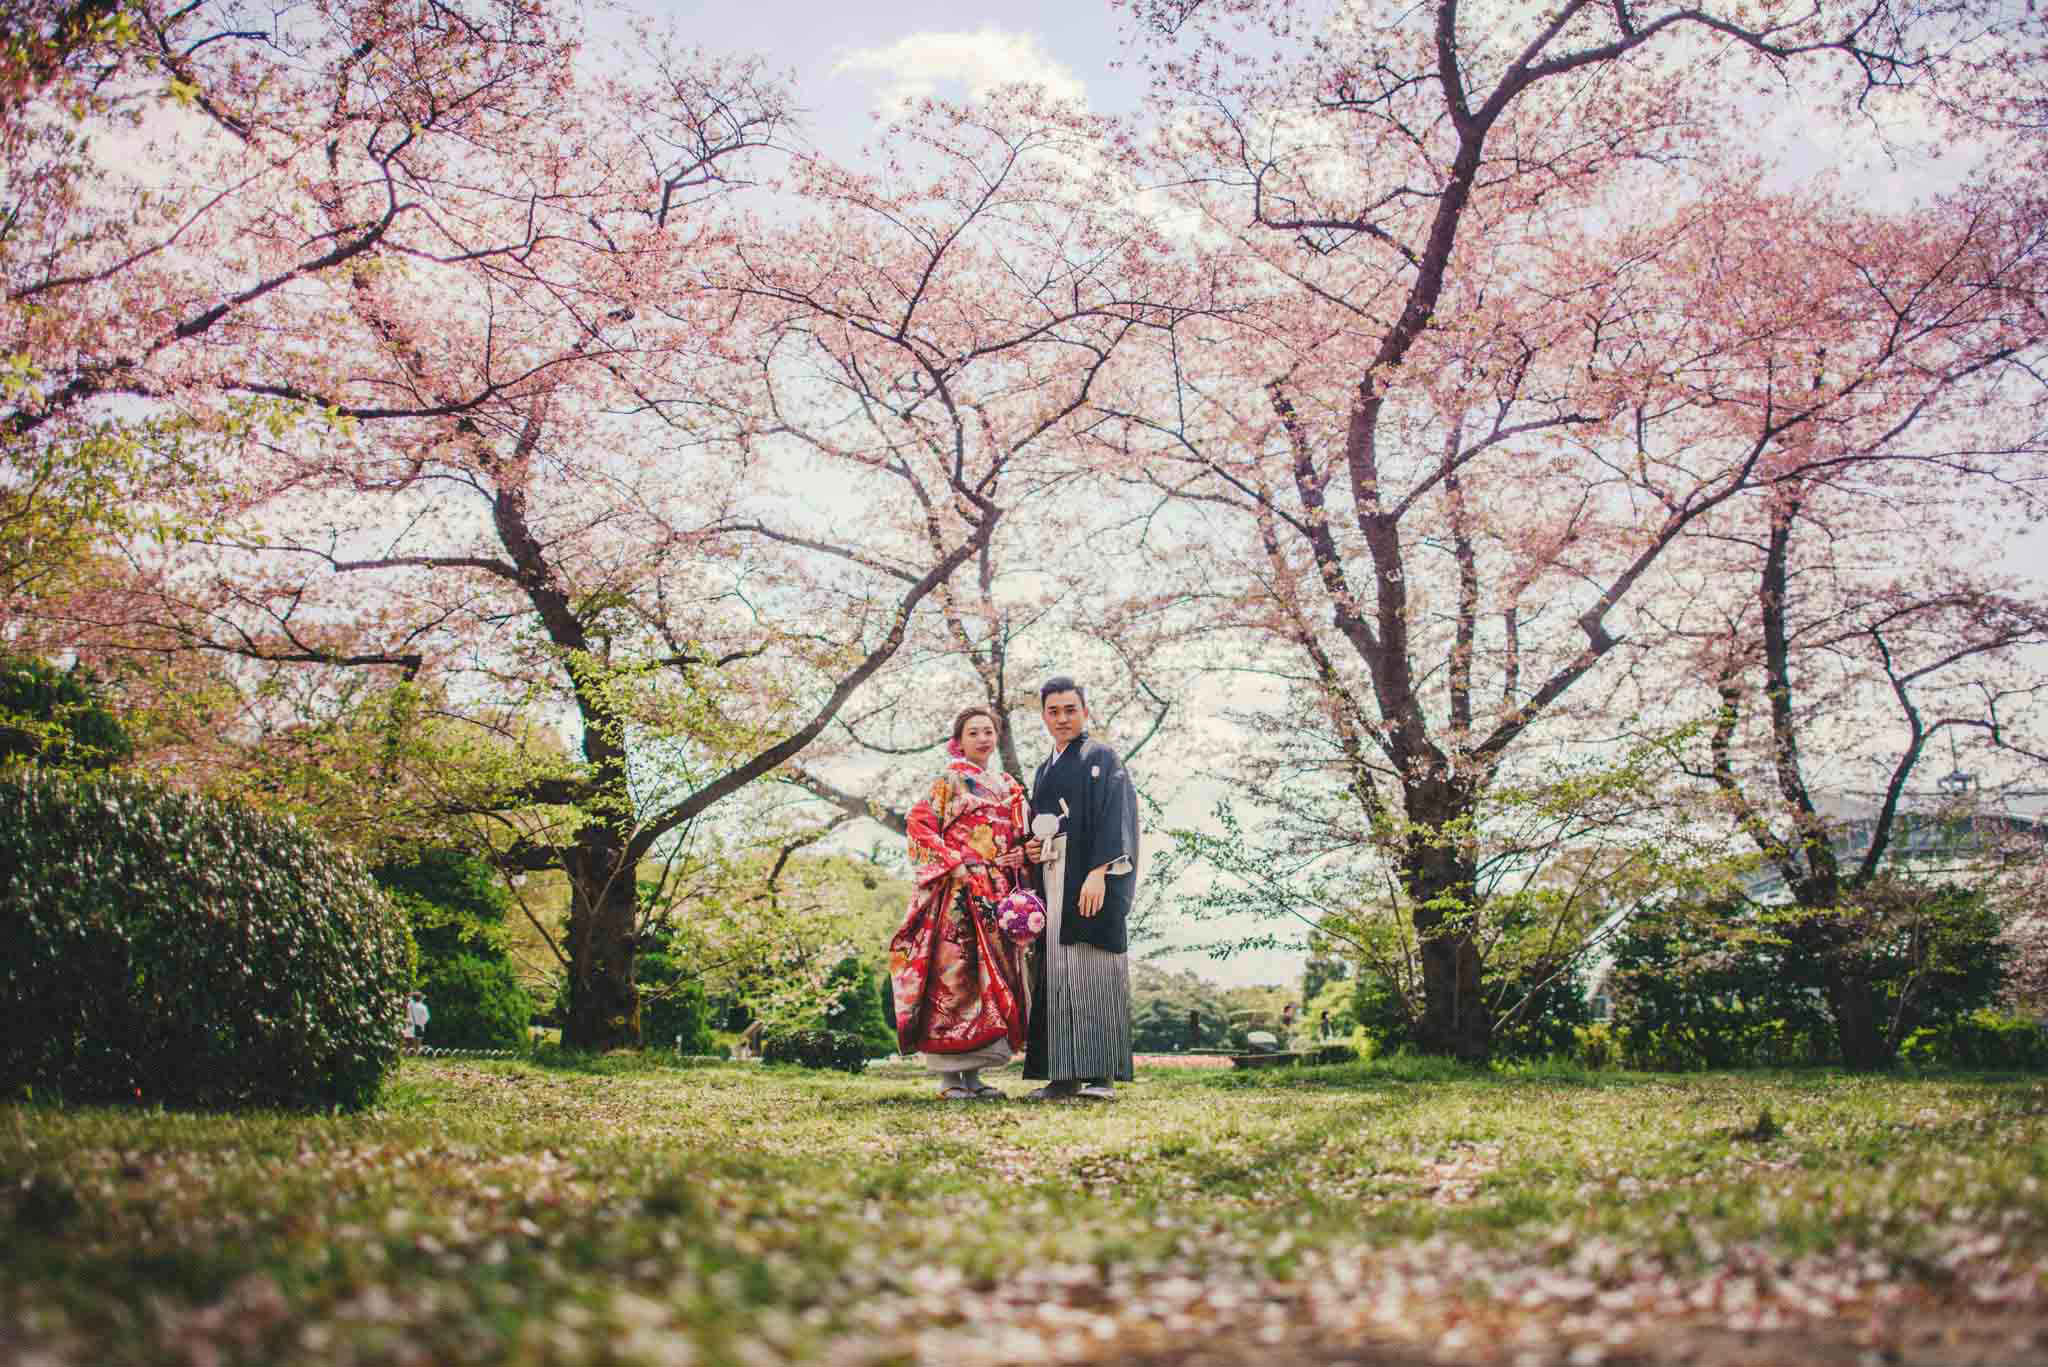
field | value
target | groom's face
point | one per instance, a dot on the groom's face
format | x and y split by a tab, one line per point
1065	716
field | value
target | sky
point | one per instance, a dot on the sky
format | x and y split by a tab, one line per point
849	62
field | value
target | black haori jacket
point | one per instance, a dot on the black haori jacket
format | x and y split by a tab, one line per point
1101	826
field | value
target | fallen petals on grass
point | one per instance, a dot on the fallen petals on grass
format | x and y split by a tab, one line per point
638	1214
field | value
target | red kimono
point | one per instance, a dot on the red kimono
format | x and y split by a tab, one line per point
959	982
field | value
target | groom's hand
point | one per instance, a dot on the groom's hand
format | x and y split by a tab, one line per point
1034	851
1090	900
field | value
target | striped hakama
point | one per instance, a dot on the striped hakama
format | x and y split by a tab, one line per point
1087	1000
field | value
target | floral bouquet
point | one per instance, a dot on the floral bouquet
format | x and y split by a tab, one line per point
1021	916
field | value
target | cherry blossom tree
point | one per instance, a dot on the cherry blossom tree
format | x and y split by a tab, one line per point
65	67
1519	334
1859	651
161	168
570	457
969	327
442	293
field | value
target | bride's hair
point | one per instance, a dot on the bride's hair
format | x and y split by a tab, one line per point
968	714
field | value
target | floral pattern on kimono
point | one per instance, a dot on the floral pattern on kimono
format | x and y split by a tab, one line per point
959	982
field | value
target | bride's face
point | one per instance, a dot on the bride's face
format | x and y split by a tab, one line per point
978	739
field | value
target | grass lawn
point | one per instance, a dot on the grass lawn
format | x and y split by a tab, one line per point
628	1212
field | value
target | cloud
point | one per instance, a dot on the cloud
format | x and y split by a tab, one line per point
921	66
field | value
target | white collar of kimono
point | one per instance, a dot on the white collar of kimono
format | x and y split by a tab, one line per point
1063	749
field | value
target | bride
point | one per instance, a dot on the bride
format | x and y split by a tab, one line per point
959	982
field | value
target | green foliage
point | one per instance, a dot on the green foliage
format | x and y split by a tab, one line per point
777	956
1981	1039
1708	987
855	1009
1929	952
457	908
1160	1007
1381	1012
56	717
59	498
674	1013
188	951
1548	1006
1594	1047
1733	985
1548	1022
1319	972
1331	1006
817	1049
475	1003
455	903
1554	856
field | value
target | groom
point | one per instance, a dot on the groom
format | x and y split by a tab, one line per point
1080	1038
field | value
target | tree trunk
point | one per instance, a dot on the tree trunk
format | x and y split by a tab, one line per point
1836	947
1441	882
604	1001
1859	1022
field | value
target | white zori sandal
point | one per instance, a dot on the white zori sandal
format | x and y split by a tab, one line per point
958	1093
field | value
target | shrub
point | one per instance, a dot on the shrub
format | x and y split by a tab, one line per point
475	1003
1744	985
1595	1047
1706	986
189	951
672	1007
56	717
455	903
456	906
1549	1006
816	1049
1548	1023
855	1009
1982	1039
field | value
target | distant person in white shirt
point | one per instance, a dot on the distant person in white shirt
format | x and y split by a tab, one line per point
416	1016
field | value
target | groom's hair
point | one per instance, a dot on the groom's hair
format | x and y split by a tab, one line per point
1060	683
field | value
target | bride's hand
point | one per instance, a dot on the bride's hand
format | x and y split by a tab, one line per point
1010	859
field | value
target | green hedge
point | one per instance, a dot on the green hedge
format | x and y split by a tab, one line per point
816	1049
1982	1039
475	1003
167	948
1772	1043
